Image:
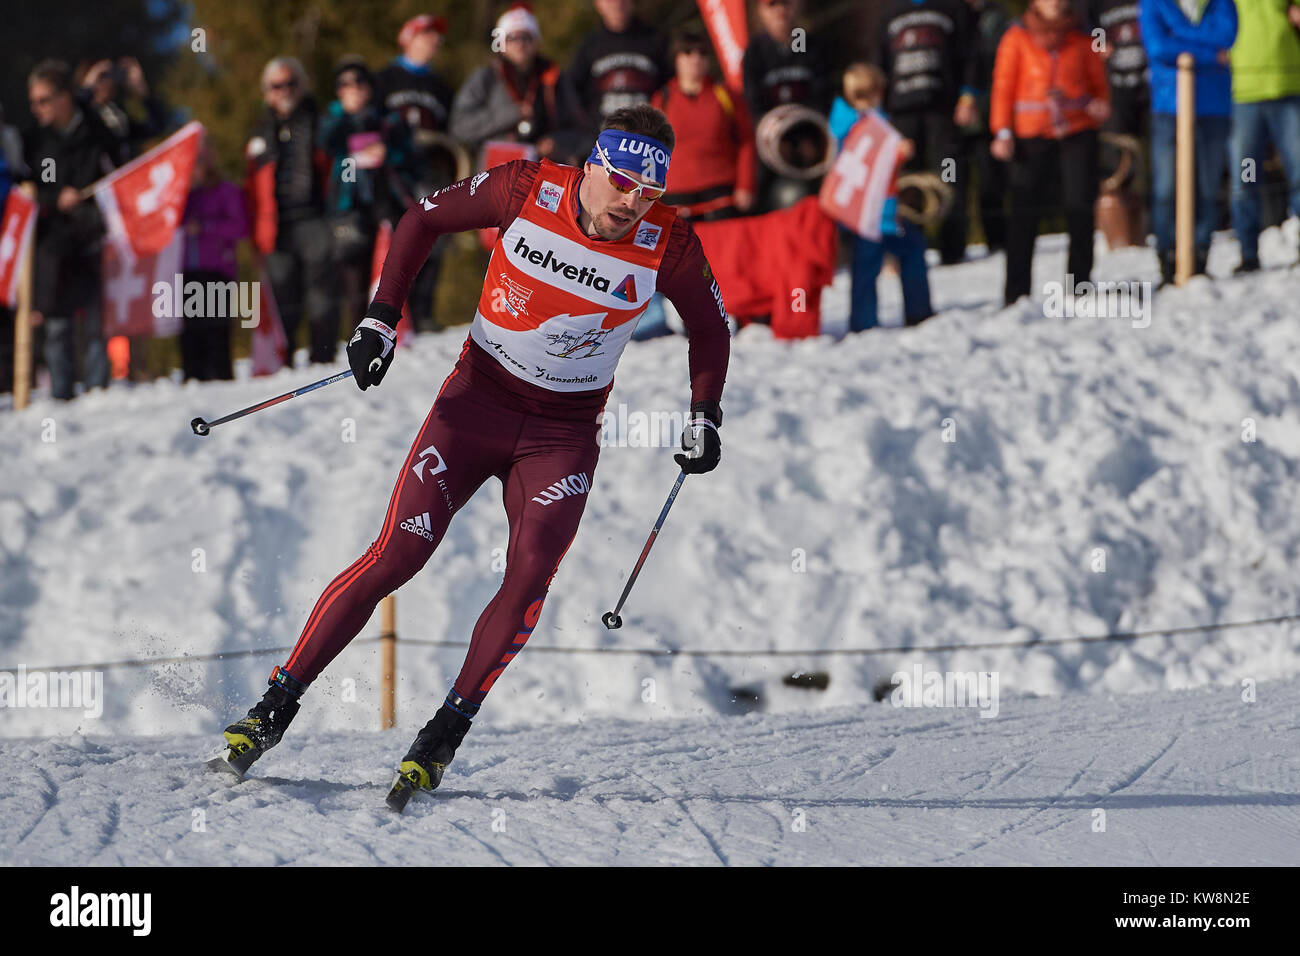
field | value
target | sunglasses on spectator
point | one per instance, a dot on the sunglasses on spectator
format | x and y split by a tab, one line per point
521	38
626	184
285	85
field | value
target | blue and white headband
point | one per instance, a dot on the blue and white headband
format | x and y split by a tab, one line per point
633	153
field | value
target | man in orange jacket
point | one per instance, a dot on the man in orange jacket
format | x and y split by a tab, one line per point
1049	99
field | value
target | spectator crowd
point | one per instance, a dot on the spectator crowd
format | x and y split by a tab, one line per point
1027	119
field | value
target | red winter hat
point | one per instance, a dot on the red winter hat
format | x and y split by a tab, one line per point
425	21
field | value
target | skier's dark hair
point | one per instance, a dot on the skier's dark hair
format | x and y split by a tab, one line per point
644	120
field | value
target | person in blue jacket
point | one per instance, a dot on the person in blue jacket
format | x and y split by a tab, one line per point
1207	30
864	91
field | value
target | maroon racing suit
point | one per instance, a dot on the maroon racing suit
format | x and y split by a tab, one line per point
533	431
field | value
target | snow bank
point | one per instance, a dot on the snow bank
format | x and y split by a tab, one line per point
960	482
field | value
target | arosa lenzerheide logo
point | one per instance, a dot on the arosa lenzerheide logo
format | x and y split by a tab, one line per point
429	457
624	289
570	344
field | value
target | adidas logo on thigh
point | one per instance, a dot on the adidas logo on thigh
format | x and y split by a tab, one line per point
420	525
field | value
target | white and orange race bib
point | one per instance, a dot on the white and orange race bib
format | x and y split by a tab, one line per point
558	307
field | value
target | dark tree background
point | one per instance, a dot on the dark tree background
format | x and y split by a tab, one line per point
82	30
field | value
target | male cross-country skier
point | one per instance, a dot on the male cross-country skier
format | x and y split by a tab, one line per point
580	253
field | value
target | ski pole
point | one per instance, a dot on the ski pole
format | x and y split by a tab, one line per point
611	619
202	427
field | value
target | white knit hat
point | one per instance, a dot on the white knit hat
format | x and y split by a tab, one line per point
517	19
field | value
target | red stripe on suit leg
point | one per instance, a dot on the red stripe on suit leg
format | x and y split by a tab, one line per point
332	593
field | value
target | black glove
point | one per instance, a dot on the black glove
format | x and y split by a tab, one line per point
700	439
370	351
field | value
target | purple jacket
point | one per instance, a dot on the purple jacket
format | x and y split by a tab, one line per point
219	211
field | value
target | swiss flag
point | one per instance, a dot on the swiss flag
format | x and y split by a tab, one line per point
383	239
725	21
855	190
130	305
145	199
269	346
16	227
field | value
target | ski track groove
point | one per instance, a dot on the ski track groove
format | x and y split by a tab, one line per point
1137	775
860	776
714	845
50	796
110	828
690	817
1009	774
1018	825
473	836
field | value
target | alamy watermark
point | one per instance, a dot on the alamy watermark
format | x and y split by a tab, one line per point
73	690
922	688
1099	300
622	428
213	300
131	911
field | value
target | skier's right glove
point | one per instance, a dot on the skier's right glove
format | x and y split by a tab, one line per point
370	351
700	439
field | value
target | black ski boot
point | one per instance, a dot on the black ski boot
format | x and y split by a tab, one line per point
424	764
254	735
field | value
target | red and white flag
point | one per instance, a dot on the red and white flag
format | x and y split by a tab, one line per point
729	31
383	239
16	229
862	178
142	203
145	199
269	346
138	291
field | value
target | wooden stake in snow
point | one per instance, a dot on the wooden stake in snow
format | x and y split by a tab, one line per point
1185	216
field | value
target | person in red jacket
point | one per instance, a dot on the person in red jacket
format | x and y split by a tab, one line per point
715	169
580	252
1049	99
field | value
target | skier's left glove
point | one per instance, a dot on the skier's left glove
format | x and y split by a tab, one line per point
700	439
370	350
